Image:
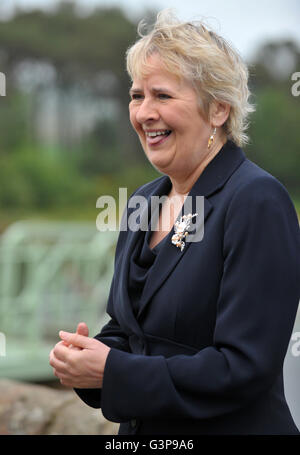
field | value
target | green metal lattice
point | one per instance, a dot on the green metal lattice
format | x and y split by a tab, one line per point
52	276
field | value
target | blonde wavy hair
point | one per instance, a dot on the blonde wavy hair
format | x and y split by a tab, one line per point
192	51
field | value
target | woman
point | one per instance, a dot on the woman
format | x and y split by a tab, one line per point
198	330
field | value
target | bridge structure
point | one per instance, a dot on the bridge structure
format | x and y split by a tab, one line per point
52	276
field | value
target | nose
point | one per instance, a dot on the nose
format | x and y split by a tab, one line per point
147	111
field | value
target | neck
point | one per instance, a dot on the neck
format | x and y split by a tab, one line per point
182	184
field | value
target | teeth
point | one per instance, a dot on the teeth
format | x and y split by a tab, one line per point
156	133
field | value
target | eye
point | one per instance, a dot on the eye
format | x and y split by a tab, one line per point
136	96
163	96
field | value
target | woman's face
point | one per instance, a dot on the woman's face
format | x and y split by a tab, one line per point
164	111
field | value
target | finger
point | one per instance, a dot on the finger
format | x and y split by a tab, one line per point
82	329
75	339
61	351
57	364
74	348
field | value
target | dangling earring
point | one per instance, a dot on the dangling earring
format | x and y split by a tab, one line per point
212	138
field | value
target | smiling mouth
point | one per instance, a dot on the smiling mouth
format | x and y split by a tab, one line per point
157	137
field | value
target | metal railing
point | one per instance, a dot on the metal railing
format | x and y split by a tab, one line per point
52	276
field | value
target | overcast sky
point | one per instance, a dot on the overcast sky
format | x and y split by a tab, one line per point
245	23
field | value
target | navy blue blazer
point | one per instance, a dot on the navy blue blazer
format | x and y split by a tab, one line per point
205	352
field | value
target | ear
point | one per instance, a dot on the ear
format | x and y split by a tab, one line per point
219	113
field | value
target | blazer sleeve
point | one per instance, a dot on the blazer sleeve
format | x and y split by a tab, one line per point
111	335
256	309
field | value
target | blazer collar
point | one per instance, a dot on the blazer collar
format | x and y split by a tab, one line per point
212	179
214	176
219	170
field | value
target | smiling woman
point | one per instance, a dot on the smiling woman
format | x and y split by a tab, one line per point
191	52
165	113
198	331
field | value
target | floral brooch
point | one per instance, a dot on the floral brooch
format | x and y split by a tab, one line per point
181	228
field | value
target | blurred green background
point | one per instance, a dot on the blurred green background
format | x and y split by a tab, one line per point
66	140
65	134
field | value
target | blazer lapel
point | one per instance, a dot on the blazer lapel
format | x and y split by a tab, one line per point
124	310
166	261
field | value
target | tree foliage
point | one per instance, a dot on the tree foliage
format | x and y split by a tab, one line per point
274	129
86	53
81	59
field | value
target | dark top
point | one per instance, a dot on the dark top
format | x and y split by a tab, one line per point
141	262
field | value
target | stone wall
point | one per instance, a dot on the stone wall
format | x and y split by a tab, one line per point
29	409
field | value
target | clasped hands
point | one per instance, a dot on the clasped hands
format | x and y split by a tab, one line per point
79	361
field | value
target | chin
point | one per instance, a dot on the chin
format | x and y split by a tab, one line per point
159	159
161	169
159	164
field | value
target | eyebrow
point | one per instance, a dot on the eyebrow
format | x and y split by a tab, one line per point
134	90
154	89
